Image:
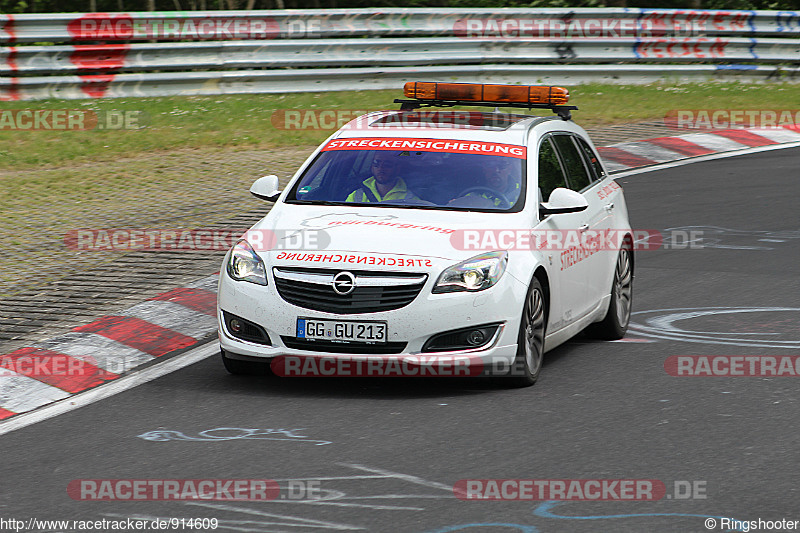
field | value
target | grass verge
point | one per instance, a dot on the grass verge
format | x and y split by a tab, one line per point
246	121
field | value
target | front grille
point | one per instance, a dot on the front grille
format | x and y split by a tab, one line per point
343	347
374	291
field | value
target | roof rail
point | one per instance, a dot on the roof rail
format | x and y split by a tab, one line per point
563	111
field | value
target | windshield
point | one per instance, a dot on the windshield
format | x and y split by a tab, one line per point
427	179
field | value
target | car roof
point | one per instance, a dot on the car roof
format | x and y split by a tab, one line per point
445	124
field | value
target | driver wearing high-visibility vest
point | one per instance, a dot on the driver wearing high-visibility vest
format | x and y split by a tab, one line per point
384	184
500	174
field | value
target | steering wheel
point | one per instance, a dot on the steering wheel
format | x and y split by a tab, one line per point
504	203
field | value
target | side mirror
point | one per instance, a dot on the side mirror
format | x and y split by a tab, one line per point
563	201
266	188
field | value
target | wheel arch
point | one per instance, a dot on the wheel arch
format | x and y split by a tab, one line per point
541	274
628	239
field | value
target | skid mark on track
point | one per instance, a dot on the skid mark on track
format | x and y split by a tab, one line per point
663	324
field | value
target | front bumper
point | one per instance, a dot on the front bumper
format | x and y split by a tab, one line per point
412	325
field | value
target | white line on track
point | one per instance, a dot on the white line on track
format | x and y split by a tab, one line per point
699	159
111	388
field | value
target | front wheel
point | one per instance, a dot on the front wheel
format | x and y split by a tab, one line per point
530	342
615	323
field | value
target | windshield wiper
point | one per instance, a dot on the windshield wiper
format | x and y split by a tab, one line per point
317	202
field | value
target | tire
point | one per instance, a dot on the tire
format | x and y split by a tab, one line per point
238	367
615	323
530	340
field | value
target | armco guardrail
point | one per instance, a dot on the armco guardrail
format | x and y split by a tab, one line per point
323	23
214	52
386	52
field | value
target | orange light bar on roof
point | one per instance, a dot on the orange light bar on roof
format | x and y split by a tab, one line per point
477	92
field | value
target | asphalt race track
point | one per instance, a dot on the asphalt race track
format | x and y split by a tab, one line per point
385	454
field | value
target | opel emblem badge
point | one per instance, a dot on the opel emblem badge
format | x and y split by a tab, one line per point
343	283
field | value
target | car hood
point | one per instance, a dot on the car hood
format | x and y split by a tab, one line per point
366	238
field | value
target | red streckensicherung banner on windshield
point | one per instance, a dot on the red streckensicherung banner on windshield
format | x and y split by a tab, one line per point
429	145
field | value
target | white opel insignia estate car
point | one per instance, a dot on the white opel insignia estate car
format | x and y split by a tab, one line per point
426	237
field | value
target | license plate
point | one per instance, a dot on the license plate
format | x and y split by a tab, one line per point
341	330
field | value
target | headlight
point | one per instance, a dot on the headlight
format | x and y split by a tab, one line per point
474	274
245	265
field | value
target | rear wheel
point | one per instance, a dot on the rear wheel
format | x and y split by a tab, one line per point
530	342
615	323
244	368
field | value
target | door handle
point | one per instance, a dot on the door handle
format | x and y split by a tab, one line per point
609	207
583	228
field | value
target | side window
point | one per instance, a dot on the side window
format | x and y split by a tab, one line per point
591	159
577	175
551	175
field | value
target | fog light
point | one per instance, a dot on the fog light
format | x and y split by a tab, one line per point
461	339
243	329
475	337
